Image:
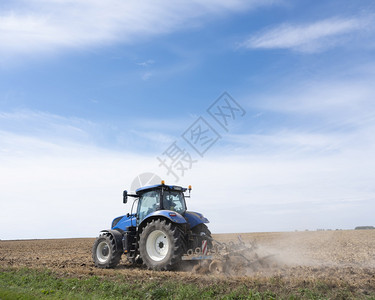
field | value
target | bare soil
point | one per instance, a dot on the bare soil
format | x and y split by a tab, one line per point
337	258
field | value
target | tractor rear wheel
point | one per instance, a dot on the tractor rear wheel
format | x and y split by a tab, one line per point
105	252
161	245
203	234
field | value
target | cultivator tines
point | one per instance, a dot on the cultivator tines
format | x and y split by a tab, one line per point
228	258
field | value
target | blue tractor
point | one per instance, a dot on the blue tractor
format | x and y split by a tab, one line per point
158	233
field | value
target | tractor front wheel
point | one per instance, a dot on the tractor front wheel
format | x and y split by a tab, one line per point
105	254
161	245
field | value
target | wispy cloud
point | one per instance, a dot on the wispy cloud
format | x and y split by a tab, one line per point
46	125
343	98
146	76
46	26
146	63
319	118
53	130
310	38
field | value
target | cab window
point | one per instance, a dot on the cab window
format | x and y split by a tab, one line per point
148	203
173	200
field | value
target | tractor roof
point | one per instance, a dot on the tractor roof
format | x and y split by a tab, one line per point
159	186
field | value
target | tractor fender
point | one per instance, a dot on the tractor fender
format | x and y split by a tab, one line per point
195	218
171	215
116	235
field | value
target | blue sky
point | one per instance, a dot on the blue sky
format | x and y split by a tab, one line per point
92	92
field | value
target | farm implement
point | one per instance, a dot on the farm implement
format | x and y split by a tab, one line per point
161	233
228	258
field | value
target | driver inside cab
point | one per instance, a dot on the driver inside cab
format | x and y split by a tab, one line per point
168	202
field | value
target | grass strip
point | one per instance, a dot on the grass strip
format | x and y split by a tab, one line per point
35	284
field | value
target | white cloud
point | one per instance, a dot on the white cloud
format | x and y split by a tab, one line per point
35	26
45	125
78	186
312	159
146	76
146	63
67	190
318	175
53	130
341	101
295	141
310	38
248	191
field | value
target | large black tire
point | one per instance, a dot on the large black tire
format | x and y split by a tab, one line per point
105	252
202	228
161	245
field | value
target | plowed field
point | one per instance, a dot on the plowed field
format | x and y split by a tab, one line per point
337	258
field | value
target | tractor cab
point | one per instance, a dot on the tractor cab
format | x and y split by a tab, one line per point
160	197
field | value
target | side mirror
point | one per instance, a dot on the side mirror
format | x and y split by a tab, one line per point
125	196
